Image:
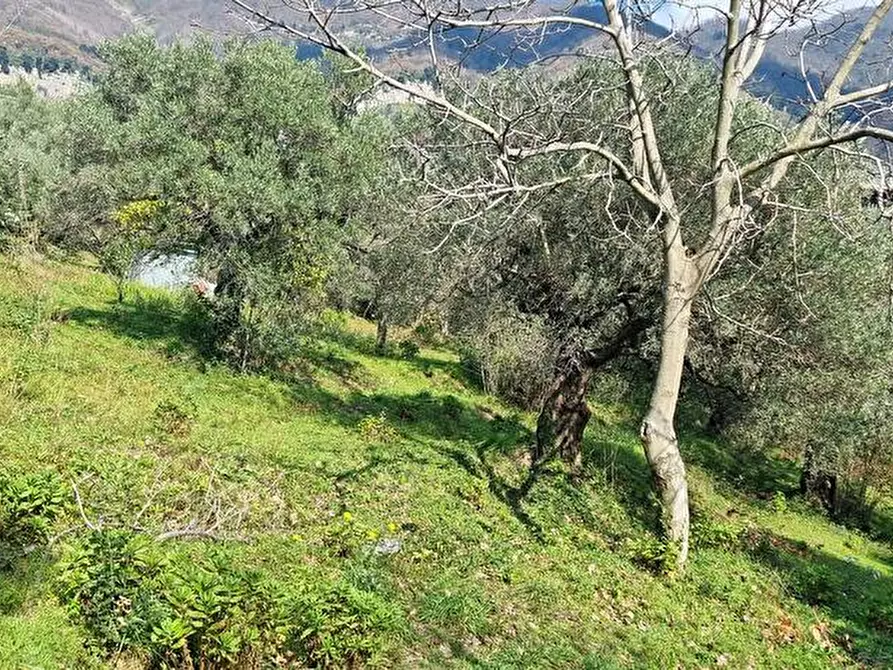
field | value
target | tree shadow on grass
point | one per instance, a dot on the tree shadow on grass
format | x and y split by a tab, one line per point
460	372
744	470
423	416
152	319
163	319
312	359
847	591
358	342
444	424
511	495
616	455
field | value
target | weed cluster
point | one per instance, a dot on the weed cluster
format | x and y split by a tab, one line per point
377	429
182	610
28	507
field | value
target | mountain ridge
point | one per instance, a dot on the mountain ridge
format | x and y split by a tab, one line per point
72	28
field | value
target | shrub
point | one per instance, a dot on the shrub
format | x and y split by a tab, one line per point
653	554
512	357
705	533
106	582
186	610
408	349
342	626
218	616
28	506
779	502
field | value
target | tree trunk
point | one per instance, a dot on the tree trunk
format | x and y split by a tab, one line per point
657	431
381	333
229	296
563	418
818	482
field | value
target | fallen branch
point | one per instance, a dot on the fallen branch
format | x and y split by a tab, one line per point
80	503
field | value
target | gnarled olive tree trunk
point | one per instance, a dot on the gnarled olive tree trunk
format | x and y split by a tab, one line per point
565	413
818	482
658	431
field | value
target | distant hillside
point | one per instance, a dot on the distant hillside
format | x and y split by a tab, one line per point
72	28
779	77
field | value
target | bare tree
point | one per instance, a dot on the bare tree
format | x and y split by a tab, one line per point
739	195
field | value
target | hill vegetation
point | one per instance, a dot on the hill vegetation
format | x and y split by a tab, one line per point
71	31
578	366
387	500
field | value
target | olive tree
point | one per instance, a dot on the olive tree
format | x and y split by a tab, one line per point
29	163
253	164
738	196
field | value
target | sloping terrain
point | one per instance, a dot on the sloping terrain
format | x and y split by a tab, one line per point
400	480
72	28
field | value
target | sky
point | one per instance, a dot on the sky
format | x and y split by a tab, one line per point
679	13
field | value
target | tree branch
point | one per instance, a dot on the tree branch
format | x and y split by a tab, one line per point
815	145
862	94
496	135
808	125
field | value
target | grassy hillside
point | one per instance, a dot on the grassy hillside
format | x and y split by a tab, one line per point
399	482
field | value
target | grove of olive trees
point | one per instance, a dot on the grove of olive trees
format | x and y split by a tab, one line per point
738	184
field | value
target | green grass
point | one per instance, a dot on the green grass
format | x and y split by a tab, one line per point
305	472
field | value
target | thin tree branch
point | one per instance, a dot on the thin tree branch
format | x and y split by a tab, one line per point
814	145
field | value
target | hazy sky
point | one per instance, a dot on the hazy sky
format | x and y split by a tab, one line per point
679	13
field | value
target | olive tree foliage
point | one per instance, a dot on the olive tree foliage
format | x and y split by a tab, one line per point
29	164
249	159
738	195
390	277
572	283
826	395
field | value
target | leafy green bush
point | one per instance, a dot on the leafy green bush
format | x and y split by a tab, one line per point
28	506
107	583
653	554
218	616
183	610
779	503
342	626
509	355
706	533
